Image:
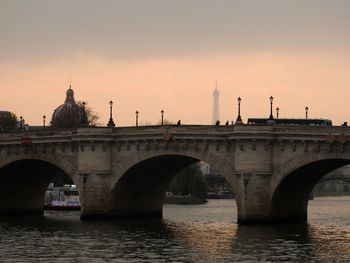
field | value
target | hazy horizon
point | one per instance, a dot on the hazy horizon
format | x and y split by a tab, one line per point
154	55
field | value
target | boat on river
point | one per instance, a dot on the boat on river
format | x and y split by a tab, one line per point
62	198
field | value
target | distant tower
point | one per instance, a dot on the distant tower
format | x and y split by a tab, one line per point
216	113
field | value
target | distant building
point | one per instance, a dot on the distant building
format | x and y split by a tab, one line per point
216	113
69	114
334	183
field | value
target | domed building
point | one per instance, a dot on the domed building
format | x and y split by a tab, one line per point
69	114
5	114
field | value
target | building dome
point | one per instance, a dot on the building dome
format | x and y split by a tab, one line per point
5	114
69	114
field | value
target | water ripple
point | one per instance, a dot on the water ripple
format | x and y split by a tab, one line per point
205	233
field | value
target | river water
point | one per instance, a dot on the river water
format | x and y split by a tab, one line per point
193	233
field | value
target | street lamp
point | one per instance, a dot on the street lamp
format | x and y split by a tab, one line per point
137	118
271	102
277	112
111	122
44	119
162	115
21	121
306	112
84	118
239	118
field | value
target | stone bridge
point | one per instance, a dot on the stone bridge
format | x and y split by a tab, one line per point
124	172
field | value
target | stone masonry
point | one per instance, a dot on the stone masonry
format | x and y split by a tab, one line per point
124	172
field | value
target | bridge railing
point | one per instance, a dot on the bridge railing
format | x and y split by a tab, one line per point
37	133
231	130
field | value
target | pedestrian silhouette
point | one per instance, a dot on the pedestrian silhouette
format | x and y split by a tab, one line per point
217	122
227	123
179	122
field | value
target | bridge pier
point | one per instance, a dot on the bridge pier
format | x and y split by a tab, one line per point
94	171
254	166
98	170
253	200
94	194
98	202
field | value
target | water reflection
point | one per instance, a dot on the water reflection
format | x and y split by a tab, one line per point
187	234
272	243
291	243
207	242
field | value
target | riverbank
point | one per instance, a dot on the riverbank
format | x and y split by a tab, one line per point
184	200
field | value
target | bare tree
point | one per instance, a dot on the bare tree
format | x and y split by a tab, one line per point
165	122
92	116
8	121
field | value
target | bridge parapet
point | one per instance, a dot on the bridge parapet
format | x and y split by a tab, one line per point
242	136
195	130
245	139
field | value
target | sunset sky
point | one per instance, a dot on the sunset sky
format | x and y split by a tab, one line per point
149	55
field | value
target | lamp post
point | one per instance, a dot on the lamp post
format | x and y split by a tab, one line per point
271	102
239	118
84	118
21	121
306	112
44	119
277	112
137	118
111	122
162	116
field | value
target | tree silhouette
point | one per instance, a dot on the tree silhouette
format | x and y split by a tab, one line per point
92	116
8	121
189	181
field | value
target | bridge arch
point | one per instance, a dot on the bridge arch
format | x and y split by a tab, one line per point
24	181
143	179
293	182
65	163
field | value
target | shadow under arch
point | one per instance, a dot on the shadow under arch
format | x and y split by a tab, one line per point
291	196
23	184
140	190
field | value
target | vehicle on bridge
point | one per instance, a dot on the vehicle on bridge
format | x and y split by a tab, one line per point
291	121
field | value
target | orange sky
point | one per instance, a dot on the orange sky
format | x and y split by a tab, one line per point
154	55
183	86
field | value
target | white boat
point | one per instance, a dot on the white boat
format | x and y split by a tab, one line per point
62	198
